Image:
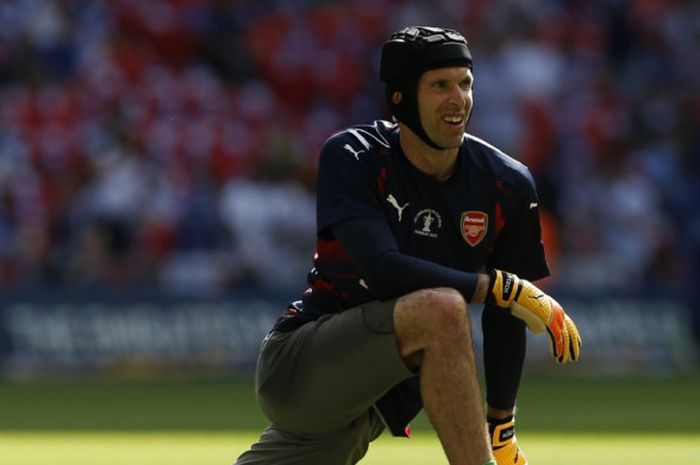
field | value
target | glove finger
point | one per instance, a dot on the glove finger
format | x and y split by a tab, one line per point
562	355
575	336
565	355
557	332
552	344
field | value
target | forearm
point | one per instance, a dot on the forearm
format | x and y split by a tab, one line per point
393	274
389	273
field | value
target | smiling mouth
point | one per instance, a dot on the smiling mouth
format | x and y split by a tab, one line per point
455	120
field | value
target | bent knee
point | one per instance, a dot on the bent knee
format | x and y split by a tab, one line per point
430	318
442	310
447	311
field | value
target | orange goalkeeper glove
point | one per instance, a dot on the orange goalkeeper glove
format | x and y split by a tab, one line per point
538	310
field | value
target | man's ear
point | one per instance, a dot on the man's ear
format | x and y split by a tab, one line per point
396	97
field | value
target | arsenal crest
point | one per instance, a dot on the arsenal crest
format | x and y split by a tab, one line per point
474	226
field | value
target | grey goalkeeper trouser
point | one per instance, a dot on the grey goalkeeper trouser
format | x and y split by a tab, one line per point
317	385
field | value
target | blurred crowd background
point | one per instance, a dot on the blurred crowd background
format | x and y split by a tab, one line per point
172	144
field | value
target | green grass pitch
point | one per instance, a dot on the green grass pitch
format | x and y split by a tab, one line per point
562	421
190	448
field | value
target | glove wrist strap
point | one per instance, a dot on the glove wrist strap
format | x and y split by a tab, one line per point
503	288
501	432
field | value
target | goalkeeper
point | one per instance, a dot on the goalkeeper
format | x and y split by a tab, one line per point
415	219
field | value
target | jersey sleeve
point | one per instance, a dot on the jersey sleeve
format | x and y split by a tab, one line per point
519	247
389	273
344	184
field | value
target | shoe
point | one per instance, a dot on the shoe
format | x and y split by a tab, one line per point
504	443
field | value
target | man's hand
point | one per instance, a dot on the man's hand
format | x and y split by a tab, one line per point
538	310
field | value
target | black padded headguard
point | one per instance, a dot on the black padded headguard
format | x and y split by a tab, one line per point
406	56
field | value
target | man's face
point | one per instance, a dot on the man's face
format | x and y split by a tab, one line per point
444	104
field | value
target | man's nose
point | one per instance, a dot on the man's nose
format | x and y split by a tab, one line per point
459	96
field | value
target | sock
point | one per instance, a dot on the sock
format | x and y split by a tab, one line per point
505	342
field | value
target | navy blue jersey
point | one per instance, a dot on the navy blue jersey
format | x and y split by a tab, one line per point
484	216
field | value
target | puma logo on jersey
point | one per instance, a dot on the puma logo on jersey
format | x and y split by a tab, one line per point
392	200
356	153
364	284
533	205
